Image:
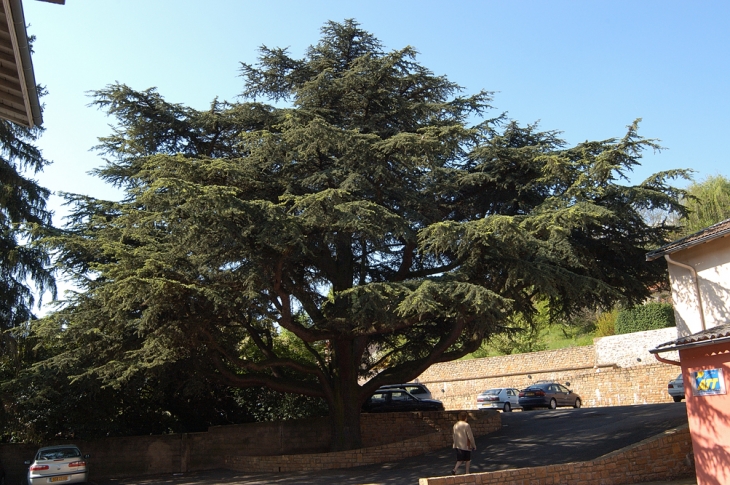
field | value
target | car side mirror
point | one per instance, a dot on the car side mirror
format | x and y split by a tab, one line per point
87	456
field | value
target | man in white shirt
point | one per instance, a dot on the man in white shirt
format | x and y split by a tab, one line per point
463	443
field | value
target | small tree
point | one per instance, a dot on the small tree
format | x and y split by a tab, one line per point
707	203
370	219
606	323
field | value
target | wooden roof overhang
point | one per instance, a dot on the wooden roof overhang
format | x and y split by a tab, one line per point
18	93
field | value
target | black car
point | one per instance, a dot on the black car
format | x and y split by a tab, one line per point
395	400
2	474
548	395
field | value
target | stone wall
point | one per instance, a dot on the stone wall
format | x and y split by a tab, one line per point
616	370
632	349
571	358
664	457
441	423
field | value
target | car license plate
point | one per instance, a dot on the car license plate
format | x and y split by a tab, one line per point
529	394
62	478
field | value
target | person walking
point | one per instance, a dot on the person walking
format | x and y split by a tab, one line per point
464	443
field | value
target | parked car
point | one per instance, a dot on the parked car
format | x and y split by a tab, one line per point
395	400
418	390
504	398
676	388
60	463
2	474
548	395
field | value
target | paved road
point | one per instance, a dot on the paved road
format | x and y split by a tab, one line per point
531	438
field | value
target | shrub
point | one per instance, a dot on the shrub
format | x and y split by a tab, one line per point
606	323
650	316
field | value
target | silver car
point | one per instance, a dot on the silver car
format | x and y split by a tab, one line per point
676	388
58	464
504	398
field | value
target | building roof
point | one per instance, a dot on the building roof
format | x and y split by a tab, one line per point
18	93
711	336
721	229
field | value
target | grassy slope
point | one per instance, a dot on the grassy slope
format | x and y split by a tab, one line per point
552	337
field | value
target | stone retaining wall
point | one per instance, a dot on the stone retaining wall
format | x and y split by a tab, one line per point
663	457
507	366
616	370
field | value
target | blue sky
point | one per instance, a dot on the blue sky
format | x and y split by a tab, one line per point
585	68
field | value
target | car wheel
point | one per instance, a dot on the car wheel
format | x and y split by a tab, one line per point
507	408
578	403
553	404
677	398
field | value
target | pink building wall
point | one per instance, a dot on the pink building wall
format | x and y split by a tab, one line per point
709	416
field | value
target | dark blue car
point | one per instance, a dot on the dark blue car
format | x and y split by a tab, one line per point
548	395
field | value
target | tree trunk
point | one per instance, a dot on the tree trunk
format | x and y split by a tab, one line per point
347	405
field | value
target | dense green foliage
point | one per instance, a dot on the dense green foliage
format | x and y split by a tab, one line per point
519	335
707	203
24	269
22	205
370	224
649	316
542	333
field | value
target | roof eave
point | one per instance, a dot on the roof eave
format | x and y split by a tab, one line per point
676	246
21	48
688	345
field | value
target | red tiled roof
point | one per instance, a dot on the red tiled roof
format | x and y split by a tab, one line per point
715	231
712	335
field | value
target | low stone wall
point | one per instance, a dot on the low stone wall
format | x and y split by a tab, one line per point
180	453
663	457
481	422
341	459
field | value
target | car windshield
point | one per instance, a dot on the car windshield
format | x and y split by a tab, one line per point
401	396
492	391
58	454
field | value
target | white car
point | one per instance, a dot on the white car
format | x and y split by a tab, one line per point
676	388
504	398
58	464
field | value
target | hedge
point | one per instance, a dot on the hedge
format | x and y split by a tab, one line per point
650	316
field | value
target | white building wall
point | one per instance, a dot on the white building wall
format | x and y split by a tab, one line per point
712	263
